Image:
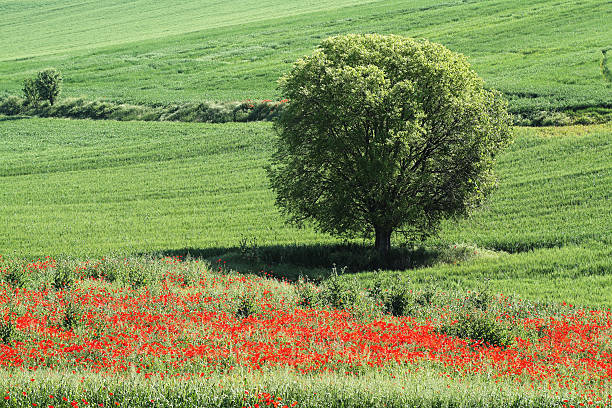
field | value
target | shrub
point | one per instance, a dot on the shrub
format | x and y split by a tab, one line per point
7	329
246	306
480	328
62	278
394	298
11	105
306	292
336	293
30	91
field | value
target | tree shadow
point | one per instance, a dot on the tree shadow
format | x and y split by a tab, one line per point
14	117
313	261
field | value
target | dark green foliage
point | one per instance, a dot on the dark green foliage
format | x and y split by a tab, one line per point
12	105
337	293
246	306
352	257
582	116
603	65
208	112
14	278
62	277
136	276
7	330
12	273
392	295
425	297
384	133
306	291
481	328
480	300
249	250
48	84
30	92
72	316
232	112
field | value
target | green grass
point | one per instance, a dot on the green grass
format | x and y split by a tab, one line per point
86	188
543	54
555	188
385	389
91	188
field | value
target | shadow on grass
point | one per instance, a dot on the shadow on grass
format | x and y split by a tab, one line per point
16	117
313	261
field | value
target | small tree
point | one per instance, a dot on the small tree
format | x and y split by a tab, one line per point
30	91
48	83
383	133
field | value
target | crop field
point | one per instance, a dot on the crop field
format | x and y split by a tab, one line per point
543	54
93	188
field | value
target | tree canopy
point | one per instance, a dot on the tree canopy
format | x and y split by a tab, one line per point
384	133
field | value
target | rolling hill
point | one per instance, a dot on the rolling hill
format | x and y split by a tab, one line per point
544	55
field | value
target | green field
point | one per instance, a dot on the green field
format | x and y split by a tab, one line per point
91	188
543	54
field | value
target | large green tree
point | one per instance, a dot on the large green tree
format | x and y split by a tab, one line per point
384	133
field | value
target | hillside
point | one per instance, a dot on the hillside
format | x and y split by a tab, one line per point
91	188
543	54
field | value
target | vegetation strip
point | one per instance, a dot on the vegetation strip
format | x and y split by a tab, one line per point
245	111
210	112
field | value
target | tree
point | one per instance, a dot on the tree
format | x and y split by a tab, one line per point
48	84
30	91
384	133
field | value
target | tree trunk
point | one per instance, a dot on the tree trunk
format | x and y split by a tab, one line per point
383	241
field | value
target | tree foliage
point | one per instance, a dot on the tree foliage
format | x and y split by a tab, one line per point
30	91
48	84
384	133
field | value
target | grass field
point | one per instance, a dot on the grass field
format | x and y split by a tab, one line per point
91	188
543	54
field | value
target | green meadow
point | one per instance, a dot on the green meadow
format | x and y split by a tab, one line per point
84	188
544	55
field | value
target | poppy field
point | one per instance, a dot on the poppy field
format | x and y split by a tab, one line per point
187	324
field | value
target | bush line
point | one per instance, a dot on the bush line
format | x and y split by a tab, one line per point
210	112
243	111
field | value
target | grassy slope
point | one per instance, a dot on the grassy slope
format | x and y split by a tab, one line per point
86	188
543	54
